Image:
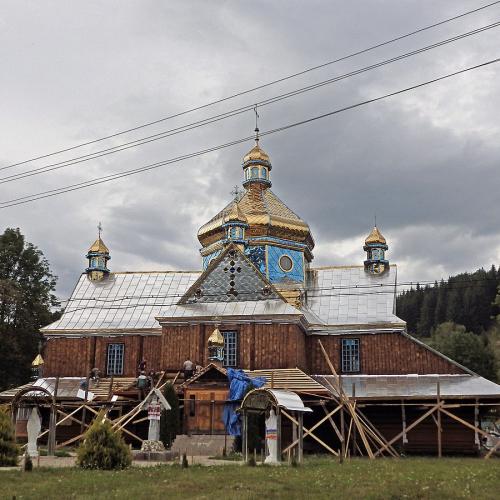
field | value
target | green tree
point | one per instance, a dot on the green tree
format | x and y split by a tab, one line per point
103	448
170	421
468	349
8	447
26	300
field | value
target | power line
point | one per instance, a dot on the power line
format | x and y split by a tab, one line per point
108	178
259	87
463	284
234	112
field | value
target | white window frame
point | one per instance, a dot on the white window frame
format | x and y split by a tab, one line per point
230	348
350	355
115	359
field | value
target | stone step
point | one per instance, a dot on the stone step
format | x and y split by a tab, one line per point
202	444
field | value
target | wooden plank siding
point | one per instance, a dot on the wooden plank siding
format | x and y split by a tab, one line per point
259	345
66	357
380	354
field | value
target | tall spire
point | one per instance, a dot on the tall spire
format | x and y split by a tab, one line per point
98	256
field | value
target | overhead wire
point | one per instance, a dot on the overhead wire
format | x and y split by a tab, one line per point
235	112
259	87
118	175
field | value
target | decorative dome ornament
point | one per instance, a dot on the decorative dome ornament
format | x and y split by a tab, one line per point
98	256
216	347
375	247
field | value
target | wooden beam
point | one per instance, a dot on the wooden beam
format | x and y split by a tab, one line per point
439	429
409	428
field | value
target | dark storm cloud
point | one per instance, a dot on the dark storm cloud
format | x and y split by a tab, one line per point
426	163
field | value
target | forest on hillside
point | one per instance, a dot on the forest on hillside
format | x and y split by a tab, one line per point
460	317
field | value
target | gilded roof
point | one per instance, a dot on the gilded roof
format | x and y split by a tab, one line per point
375	237
256	154
235	214
99	246
216	338
265	213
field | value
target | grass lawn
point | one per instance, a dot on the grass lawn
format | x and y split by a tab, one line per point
318	478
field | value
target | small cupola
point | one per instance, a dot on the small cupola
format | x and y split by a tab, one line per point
216	347
235	224
375	247
98	256
257	165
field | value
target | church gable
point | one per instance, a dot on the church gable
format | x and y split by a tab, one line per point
230	277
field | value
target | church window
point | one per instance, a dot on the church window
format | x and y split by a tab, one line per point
230	348
94	262
286	263
264	173
255	172
114	359
350	355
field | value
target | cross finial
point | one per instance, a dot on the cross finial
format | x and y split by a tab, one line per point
99	229
256	124
236	193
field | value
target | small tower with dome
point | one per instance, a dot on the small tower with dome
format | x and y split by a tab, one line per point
98	256
375	248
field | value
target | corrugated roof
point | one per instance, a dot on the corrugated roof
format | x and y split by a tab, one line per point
349	295
293	379
414	386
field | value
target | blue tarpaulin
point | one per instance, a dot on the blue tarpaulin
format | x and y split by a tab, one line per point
239	384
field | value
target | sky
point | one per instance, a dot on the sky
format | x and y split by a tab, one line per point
425	162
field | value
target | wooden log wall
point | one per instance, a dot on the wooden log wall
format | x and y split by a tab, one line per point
259	345
384	353
67	357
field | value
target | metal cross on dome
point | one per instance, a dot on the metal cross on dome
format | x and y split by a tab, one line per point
236	193
99	228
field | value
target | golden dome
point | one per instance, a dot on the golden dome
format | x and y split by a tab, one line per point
375	237
216	339
38	361
256	154
99	247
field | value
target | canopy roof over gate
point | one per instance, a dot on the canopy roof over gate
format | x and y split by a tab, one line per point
259	399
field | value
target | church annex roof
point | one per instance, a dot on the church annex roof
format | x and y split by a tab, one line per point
338	298
123	301
349	295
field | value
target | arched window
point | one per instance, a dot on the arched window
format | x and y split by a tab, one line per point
255	172
264	173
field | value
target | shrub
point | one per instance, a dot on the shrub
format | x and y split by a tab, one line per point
8	447
184	462
103	448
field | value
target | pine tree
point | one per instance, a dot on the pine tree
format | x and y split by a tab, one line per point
103	448
8	447
170	421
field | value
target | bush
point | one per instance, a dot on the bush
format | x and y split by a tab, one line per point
103	448
8	447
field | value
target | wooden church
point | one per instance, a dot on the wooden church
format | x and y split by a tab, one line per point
260	305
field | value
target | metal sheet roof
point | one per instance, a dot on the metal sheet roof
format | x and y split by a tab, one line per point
123	301
414	386
349	295
288	400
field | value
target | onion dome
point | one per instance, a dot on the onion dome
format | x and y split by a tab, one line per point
98	256
216	339
375	237
265	214
38	361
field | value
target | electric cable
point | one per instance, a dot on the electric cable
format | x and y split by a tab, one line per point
118	175
259	87
234	112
